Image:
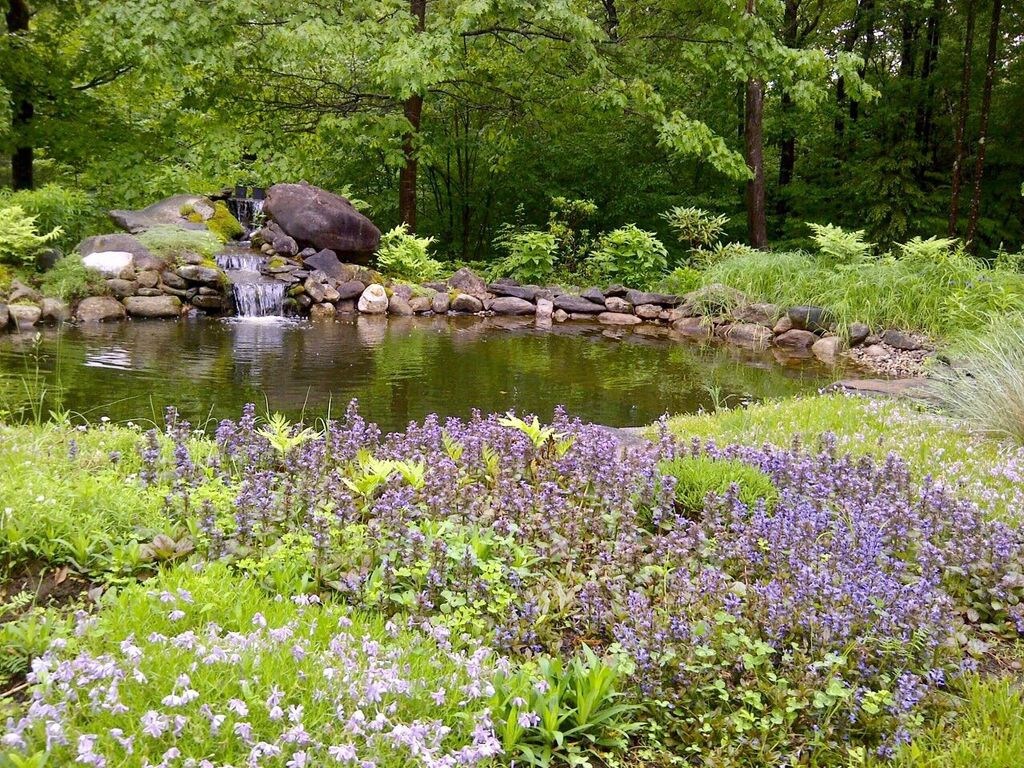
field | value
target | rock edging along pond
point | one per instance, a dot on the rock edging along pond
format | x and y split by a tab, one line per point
292	267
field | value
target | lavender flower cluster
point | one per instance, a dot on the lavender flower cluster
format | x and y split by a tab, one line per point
312	690
849	594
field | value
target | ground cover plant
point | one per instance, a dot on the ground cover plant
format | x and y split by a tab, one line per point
821	609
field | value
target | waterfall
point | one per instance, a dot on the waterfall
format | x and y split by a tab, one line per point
248	211
259	299
255	295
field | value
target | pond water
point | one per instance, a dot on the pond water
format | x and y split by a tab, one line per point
400	369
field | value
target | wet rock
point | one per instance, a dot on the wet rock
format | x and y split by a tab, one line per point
903	340
305	253
199	274
350	289
858	333
54	311
796	340
314	289
399	305
174	292
618	304
762	314
322	313
648	311
331	294
468	282
147	278
23	316
22	293
661	299
327	262
171	280
618	318
525	292
208	303
809	318
99	309
346	307
440	303
402	289
696	327
5	316
421	304
153	306
510	305
373	300
321	219
577	305
166	212
559	315
466	303
121	288
594	294
784	325
616	290
746	334
827	349
545	308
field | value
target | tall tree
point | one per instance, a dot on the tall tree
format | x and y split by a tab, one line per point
412	109
963	110
22	108
753	143
986	109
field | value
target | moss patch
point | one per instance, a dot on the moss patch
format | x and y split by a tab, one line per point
223	224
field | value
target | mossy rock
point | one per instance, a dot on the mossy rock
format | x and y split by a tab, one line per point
223	224
276	261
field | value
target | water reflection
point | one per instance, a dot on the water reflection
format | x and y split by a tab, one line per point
400	369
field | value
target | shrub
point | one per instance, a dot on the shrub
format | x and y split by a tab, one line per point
695	226
630	256
404	256
988	391
531	257
70	280
171	243
20	241
73	211
681	280
841	246
698	476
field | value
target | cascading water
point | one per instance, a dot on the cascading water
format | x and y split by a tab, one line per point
248	211
255	295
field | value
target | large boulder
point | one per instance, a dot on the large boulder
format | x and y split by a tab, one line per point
577	304
467	281
98	309
320	219
24	315
511	305
374	300
327	262
143	258
153	306
166	212
54	311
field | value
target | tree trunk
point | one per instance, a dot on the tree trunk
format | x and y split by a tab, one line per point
412	108
923	123
22	175
787	146
986	106
753	143
961	120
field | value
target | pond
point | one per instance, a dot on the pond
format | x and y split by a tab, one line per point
400	369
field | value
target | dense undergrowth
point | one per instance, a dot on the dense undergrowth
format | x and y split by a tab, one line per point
532	590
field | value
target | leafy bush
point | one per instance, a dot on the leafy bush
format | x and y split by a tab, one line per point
695	226
630	256
20	241
70	280
841	246
404	256
531	257
171	243
698	476
988	390
73	211
681	280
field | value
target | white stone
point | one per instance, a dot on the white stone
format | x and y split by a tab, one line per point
374	300
109	263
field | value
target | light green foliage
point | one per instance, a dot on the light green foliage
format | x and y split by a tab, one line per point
630	256
284	436
70	280
405	256
549	712
71	210
695	226
531	257
20	239
680	281
987	390
698	476
171	243
223	224
840	246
